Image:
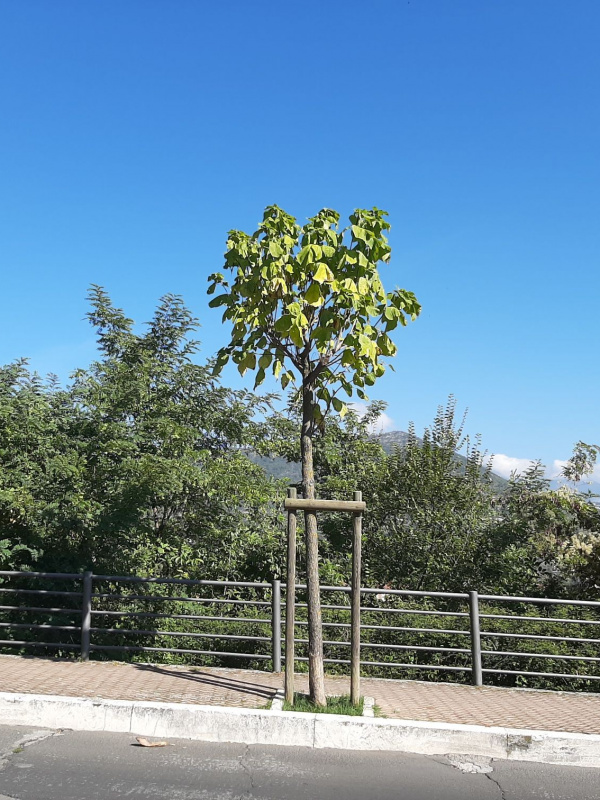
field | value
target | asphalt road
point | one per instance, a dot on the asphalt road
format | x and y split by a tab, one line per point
68	765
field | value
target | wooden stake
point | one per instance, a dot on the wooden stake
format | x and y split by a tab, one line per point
355	599
290	601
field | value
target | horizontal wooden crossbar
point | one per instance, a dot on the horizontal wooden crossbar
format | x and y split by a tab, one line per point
293	504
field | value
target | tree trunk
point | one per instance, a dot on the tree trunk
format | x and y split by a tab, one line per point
316	675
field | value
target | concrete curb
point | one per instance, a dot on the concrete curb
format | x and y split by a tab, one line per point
258	726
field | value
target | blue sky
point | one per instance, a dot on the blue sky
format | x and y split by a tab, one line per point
136	133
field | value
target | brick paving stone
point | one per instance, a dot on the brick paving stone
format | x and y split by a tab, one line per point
149	682
411	700
577	712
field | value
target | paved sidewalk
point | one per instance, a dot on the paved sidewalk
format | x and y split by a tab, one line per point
431	702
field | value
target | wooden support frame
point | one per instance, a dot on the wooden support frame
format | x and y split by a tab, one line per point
290	601
356	507
355	604
293	504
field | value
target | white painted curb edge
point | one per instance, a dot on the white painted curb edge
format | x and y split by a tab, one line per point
259	726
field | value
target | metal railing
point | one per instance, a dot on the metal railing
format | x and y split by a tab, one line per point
85	614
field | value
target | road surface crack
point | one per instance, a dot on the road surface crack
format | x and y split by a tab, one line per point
247	769
488	775
25	741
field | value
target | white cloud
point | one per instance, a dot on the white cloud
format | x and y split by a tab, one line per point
382	424
504	465
555	471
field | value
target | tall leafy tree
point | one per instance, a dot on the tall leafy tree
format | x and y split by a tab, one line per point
138	466
307	303
160	438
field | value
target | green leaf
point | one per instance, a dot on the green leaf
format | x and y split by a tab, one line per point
361	234
260	376
221	300
305	256
284	324
313	295
286	379
295	335
323	273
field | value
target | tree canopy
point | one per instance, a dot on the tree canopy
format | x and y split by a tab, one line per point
307	302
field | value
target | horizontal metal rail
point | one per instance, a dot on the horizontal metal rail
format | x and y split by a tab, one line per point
42	627
180	581
139	649
547	601
407	611
383	646
41	592
556	657
537	637
166	598
571	676
414	593
304	624
393	664
76	576
415	612
183	634
392	592
18	643
260	621
42	610
565	620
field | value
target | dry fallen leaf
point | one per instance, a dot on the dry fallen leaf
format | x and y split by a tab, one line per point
145	743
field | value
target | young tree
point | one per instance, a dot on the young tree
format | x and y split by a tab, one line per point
307	302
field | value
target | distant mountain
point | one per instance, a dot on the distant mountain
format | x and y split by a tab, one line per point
277	467
393	439
280	468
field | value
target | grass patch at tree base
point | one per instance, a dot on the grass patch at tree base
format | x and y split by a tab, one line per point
335	705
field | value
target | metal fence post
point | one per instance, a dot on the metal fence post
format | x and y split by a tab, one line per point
86	616
276	624
477	675
355	601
